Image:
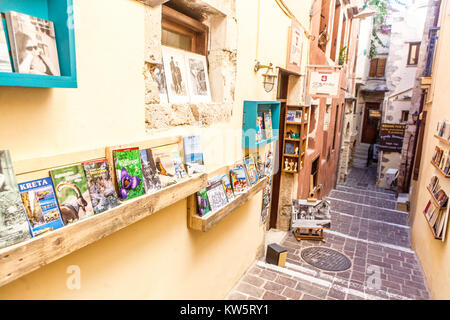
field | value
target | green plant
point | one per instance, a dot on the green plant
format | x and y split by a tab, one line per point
343	55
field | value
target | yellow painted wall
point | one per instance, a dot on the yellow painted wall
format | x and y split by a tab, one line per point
434	254
158	257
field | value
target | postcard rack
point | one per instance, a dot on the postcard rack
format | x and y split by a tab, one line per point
211	219
22	258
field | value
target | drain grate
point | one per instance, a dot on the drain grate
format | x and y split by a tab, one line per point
326	259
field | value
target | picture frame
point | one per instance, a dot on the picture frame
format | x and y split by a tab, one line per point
176	75
198	78
295	47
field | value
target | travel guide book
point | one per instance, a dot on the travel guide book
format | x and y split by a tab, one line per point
41	206
127	163
238	180
193	155
260	167
268	124
251	170
202	202
169	164
101	186
227	186
14	226
216	195
152	183
72	193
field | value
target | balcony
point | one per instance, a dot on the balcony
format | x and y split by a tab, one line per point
432	36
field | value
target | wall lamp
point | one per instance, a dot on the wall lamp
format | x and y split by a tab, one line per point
269	76
415	117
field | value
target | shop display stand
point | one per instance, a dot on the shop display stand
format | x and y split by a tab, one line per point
308	233
211	219
22	258
249	126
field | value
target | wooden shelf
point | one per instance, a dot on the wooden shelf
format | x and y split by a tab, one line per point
291	155
289	171
291	139
442	139
439	169
431	229
25	257
294	122
211	219
435	200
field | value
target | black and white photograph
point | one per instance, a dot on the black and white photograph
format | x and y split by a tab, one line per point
33	44
5	63
160	78
198	80
311	214
13	218
176	75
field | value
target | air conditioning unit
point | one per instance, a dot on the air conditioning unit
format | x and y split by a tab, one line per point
390	178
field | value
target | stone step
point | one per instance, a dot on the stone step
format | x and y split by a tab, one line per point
364	199
368	211
361	191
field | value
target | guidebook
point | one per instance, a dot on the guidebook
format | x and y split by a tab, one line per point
152	183
227	186
169	164
14	226
41	206
127	163
238	180
268	124
193	155
101	187
203	202
72	193
251	170
216	195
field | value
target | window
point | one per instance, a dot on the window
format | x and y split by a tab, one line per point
323	29
335	125
314	174
183	32
337	16
405	115
413	54
377	67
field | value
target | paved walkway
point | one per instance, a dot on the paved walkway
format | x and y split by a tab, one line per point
365	227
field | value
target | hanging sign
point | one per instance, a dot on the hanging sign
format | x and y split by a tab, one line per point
324	83
374	113
391	137
295	48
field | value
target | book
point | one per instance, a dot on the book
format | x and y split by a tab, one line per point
41	206
298	116
268	163
238	180
227	186
268	124
260	167
290	116
127	163
33	44
251	170
427	210
152	182
14	226
5	62
193	155
203	202
216	195
259	128
267	193
72	193
289	148
169	165
101	186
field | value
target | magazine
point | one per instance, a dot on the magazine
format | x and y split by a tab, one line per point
193	155
152	183
238	180
216	195
127	163
33	44
202	202
169	164
14	226
72	193
251	170
41	206
228	188
101	187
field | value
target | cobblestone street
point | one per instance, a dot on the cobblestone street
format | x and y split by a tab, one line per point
366	228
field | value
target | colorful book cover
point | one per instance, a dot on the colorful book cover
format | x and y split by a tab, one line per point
203	203
152	183
227	186
266	200
101	186
268	163
290	116
251	170
127	163
72	193
14	226
193	155
238	180
260	167
289	148
41	206
169	164
268	124
216	195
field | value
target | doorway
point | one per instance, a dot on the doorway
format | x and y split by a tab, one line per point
372	116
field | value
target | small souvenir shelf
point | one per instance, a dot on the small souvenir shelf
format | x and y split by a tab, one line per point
436	211
60	12
211	219
441	161
294	140
261	121
22	258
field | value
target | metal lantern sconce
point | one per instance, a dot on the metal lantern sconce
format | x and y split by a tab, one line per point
269	76
415	117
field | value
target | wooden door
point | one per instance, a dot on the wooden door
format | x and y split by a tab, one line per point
370	124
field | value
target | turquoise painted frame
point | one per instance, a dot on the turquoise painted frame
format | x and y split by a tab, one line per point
251	110
61	13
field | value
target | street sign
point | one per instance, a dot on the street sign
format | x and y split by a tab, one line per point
391	137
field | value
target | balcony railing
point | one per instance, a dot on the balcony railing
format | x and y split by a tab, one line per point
432	35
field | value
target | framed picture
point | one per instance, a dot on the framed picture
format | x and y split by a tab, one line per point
176	75
295	48
160	78
198	80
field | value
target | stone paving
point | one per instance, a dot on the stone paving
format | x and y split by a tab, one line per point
375	238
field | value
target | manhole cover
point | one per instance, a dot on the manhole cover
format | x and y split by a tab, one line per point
326	259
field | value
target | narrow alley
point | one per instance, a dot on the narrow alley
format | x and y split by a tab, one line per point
365	227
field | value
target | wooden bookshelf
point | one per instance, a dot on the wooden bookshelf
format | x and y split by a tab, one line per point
435	200
439	169
442	139
431	228
299	127
211	219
